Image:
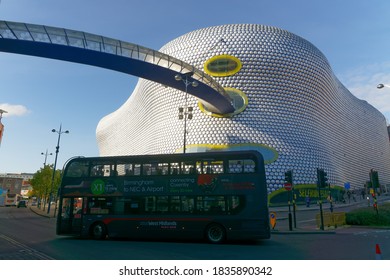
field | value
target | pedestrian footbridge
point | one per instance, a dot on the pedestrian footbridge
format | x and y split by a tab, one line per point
95	50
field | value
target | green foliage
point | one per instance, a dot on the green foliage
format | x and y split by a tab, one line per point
42	182
367	216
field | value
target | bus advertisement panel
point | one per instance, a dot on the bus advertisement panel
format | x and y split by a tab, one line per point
216	196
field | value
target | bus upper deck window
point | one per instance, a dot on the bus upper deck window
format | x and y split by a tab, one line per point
249	166
77	169
235	166
162	168
188	168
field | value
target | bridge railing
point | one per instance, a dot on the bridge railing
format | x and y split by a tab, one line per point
78	39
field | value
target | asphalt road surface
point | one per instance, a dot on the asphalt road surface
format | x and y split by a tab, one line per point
24	235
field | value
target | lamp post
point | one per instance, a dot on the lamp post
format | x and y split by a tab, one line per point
2	112
46	154
55	163
1	125
186	112
380	86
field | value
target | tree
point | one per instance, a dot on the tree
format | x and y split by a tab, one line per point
42	182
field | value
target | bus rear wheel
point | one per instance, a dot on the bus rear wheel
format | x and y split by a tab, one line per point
99	231
215	233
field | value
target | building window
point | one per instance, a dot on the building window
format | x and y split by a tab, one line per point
222	65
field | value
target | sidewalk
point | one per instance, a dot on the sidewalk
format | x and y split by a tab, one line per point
309	226
43	212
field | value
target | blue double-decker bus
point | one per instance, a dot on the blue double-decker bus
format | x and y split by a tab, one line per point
215	195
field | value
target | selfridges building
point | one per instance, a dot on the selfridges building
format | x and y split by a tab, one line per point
289	106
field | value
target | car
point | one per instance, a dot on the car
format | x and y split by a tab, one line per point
22	203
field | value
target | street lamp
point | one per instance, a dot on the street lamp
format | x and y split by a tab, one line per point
55	163
46	154
380	86
1	113
186	112
1	125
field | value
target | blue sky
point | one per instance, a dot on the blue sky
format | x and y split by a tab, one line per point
40	94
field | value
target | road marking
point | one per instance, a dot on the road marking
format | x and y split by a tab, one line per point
371	232
26	249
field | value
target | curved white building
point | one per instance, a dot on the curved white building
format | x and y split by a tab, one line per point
289	105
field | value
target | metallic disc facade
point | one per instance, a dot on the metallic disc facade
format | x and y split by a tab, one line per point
298	114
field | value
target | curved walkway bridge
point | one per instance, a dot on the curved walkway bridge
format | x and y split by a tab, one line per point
90	49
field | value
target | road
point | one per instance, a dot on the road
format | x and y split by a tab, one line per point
26	235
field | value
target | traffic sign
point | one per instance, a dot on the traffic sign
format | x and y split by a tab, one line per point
272	219
288	186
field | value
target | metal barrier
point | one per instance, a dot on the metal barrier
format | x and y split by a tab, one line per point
334	219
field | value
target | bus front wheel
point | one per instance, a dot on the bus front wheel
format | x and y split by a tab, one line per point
215	233
99	231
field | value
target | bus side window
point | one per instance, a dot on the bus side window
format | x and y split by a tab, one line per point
162	204
249	166
234	204
121	169
174	204
162	168
129	169
235	166
187	204
77	169
147	169
188	168
174	168
217	167
137	169
97	170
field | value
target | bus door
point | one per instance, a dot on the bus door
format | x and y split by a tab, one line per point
71	215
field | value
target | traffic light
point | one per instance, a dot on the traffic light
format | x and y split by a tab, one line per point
288	177
322	178
374	179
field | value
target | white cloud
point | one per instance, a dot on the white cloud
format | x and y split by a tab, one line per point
362	82
13	110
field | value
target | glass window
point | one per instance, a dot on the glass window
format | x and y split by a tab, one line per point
211	204
235	166
162	204
212	167
188	168
187	204
249	166
77	169
147	169
132	206
234	204
150	204
137	169
222	65
217	167
102	170
162	168
174	205
175	168
199	167
125	169
101	205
